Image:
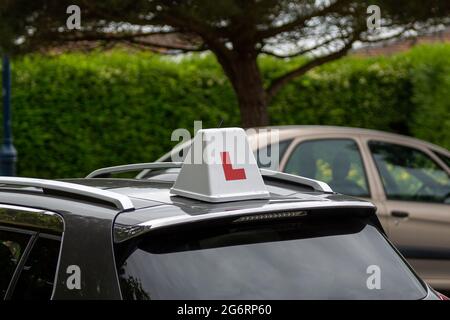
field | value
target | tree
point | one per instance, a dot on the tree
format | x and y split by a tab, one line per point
235	31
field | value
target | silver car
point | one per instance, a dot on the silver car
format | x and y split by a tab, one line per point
406	178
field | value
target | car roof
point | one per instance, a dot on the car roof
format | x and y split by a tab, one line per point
134	202
293	131
289	132
153	192
156	207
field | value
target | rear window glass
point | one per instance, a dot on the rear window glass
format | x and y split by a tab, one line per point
310	259
12	247
38	275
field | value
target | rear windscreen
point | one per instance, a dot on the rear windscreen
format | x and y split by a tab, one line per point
309	259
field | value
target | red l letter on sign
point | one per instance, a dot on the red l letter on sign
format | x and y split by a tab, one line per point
230	173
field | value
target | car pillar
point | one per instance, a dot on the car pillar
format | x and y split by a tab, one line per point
8	153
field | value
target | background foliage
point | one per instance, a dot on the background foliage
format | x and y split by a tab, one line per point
73	113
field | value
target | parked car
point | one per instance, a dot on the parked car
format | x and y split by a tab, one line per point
199	232
406	178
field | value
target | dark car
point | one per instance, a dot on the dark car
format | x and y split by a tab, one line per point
131	239
272	236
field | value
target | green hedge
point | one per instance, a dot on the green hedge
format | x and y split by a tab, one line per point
77	112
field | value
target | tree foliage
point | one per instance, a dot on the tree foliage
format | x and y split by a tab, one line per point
235	31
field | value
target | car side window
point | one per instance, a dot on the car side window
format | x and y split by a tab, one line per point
335	161
410	174
263	155
12	247
38	274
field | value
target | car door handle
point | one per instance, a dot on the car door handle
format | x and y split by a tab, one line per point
400	214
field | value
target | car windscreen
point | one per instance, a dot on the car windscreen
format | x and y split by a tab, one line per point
313	258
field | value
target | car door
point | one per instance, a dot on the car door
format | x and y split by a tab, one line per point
30	242
417	203
361	170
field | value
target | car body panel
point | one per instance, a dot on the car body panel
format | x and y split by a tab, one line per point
99	280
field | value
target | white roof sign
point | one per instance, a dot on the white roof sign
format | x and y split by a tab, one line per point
220	167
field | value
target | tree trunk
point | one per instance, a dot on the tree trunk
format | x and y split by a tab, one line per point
243	72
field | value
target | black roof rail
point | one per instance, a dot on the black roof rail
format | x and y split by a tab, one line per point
133	167
314	184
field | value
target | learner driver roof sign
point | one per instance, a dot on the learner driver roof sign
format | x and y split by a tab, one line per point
220	167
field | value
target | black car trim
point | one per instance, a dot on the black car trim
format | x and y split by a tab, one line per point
425	253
